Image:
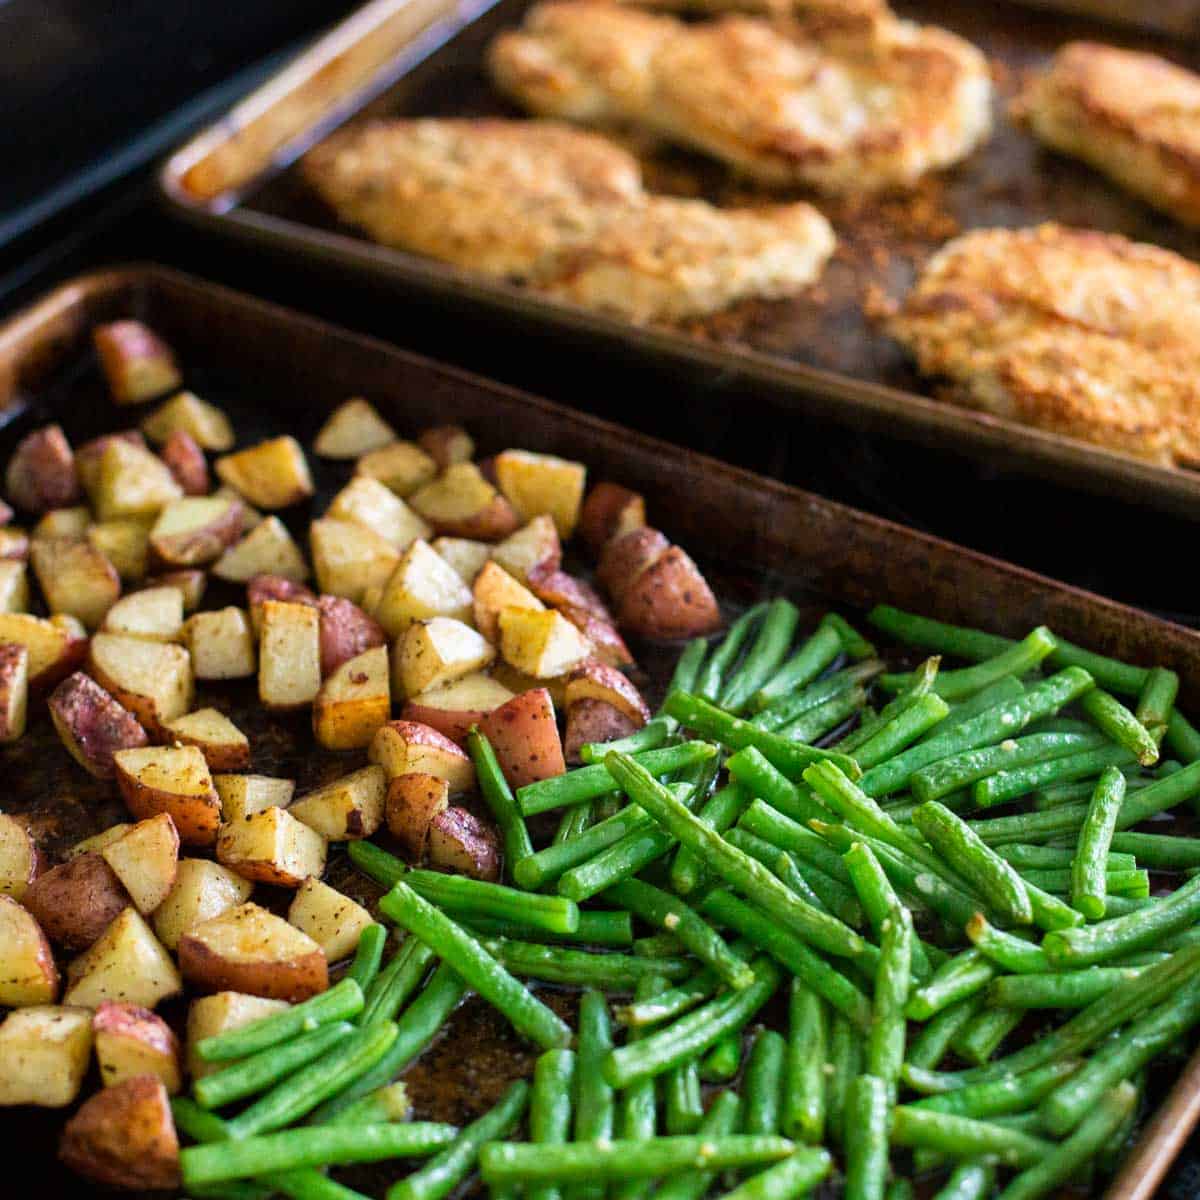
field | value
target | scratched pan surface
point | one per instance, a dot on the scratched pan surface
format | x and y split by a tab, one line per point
276	371
819	349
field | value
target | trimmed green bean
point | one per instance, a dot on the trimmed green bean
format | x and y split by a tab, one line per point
1057	989
720	1121
868	1105
550	1107
780	863
724	1059
764	657
682	1102
805	665
1163	794
816	723
596	928
1158	851
687	669
581	968
650	737
462	896
1005	949
929	1047
762	1085
499	799
638	1110
1008	688
720	811
965	1137
396	983
845	1065
894	734
981	1037
790	1179
1006	786
829	688
1089	886
1057	858
595	1109
922	683
803	1116
548	864
1183	737
768	823
1110	716
759	778
968	1181
885	1041
368	957
1012	1094
955	980
710	677
852	641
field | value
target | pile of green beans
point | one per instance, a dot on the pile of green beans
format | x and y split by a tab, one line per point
840	886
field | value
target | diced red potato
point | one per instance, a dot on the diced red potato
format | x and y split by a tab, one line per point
272	846
56	646
76	901
454	708
174	780
90	455
624	558
224	746
196	530
190	583
185	460
137	363
14	690
607	643
412	802
557	589
524	735
460	841
590	720
460	502
29	974
594	680
262	588
21	861
14	544
404	747
345	632
131	1040
534	548
670	599
41	473
447	445
92	724
609	511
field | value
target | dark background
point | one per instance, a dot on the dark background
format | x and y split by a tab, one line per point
93	93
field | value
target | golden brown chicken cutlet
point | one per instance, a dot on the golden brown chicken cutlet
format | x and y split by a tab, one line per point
564	212
1134	116
869	106
1076	332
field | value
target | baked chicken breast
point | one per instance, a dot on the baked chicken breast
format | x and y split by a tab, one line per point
838	107
1077	332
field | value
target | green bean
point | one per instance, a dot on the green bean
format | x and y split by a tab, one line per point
1057	795
1005	786
1012	1094
900	1189
922	683
968	1181
879	899
818	888
684	1108
571	826
342	1002
997	883
898	732
443	1173
376	863
693	1034
387	1103
1141	1041
596	928
885	1041
1088	870
852	641
595	1111
1062	1162
615	1161
1016	659
790	1179
478	968
762	1110
759	778
1164	793
980	1038
687	669
650	737
1110	716
1183	737
462	897
709	721
547	865
1057	989
779	862
416	1028
1057	858
723	1060
499	798
956	979
661	945
766	822
828	689
930	1045
309	1147
868	1104
1008	688
580	968
720	1121
638	1119
964	1137
550	1107
1006	950
844	1066
764	657
805	665
710	677
720	811
803	1115
396	982
811	726
1158	851
368	956
251	1075
677	1000
1032	826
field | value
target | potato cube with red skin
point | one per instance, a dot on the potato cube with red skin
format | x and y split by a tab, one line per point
273	474
519	681
202	890
353	702
349	558
404	747
670	599
346	632
453	708
556	589
524	735
347	809
542	483
174	780
365	501
55	648
251	950
41	473
14	690
460	841
447	445
534	549
411	804
92	725
125	542
153	680
289	655
268	549
137	363
594	680
460	502
402	467
196	530
592	720
242	795
494	591
438	651
262	588
70	523
353	429
465	555
221	644
131	1041
542	644
124	1137
189	583
131	482
44	1055
222	1012
332	920
224	746
271	846
75	902
624	558
90	455
185	460
76	579
126	962
606	642
155	614
422	585
145	858
20	859
186	413
610	511
14	587
97	842
28	974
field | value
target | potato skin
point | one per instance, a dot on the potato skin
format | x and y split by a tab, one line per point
41	474
411	804
625	558
262	588
185	460
591	720
92	724
76	901
556	589
293	980
609	507
670	599
460	841
524	735
446	445
124	1136
345	632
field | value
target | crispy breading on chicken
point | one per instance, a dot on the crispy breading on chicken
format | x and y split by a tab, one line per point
564	212
1076	332
872	105
831	14
1134	116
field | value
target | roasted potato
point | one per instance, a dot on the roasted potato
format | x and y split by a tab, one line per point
125	542
174	780
55	648
447	445
186	413
155	614
70	523
556	589
190	584
422	585
271	846
404	747
400	466
97	842
124	1137
75	578
20	859
224	746
222	1012
455	707
201	890
464	555
591	720
273	474
196	530
221	644
460	841
518	682
541	483
609	512
14	587
670	599
131	482
137	363
151	679
365	501
262	588
346	632
14	545
438	651
524	735
332	920
28	975
533	550
494	591
90	455
249	949
185	460
242	795
541	644
624	558
353	702
44	1055
131	1041
289	655
14	690
353	429
267	549
411	804
126	962
349	558
92	725
77	901
346	809
145	859
593	680
41	473
461	503
607	644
